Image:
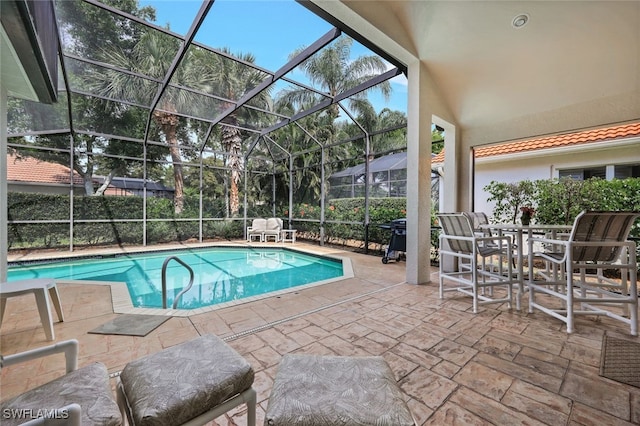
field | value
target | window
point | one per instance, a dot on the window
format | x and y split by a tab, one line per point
583	174
627	171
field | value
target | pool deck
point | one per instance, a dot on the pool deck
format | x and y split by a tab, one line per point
496	367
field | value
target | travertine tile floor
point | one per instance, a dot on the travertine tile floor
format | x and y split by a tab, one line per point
496	367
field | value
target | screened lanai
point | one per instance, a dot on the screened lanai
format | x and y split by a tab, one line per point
486	72
152	101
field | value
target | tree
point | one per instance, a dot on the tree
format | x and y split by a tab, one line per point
231	80
150	56
200	70
333	71
509	197
85	30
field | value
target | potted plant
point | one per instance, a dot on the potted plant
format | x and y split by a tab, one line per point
527	214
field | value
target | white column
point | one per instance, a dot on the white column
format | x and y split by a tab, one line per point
450	185
4	231
610	172
419	118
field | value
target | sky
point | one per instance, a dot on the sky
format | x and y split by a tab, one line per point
269	29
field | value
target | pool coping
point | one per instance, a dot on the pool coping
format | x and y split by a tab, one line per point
121	299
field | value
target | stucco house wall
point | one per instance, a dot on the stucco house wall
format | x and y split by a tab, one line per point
42	188
546	164
546	157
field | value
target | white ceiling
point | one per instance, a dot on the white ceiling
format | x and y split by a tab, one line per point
574	65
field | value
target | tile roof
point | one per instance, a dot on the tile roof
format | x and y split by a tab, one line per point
29	169
556	141
34	171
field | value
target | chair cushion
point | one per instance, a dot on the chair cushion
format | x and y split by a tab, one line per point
87	386
179	383
274	225
315	390
259	225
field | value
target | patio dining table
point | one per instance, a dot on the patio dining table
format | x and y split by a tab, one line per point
519	231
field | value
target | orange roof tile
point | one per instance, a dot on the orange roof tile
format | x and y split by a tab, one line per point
438	158
567	139
29	169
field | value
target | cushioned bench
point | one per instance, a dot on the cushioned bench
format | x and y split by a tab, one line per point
314	390
192	383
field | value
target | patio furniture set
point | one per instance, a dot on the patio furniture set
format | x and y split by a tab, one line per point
272	228
194	382
199	380
569	267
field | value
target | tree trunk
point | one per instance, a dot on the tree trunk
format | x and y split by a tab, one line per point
169	125
234	197
87	173
88	183
106	183
232	143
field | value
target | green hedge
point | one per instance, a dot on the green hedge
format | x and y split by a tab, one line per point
381	210
555	201
112	228
558	201
165	226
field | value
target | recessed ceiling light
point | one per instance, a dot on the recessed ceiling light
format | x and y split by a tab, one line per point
520	21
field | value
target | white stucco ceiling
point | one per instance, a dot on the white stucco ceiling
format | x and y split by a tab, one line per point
574	65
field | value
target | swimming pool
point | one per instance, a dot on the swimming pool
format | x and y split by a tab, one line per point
222	274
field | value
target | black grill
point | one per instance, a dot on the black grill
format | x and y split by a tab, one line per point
398	241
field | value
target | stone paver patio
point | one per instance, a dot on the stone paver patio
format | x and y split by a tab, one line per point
496	367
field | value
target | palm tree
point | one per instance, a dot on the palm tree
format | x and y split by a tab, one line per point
231	80
151	56
201	70
333	71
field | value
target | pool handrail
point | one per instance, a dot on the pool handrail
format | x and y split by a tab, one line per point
164	281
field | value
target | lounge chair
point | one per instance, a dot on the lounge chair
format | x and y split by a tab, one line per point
257	228
273	229
190	383
318	390
265	229
80	397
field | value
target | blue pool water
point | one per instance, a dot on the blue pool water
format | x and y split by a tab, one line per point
221	274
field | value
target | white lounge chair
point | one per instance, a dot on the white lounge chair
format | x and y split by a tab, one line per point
257	228
273	229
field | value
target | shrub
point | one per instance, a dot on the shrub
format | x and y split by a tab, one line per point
509	197
558	201
225	229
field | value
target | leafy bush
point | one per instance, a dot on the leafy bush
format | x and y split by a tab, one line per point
225	229
509	197
560	201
